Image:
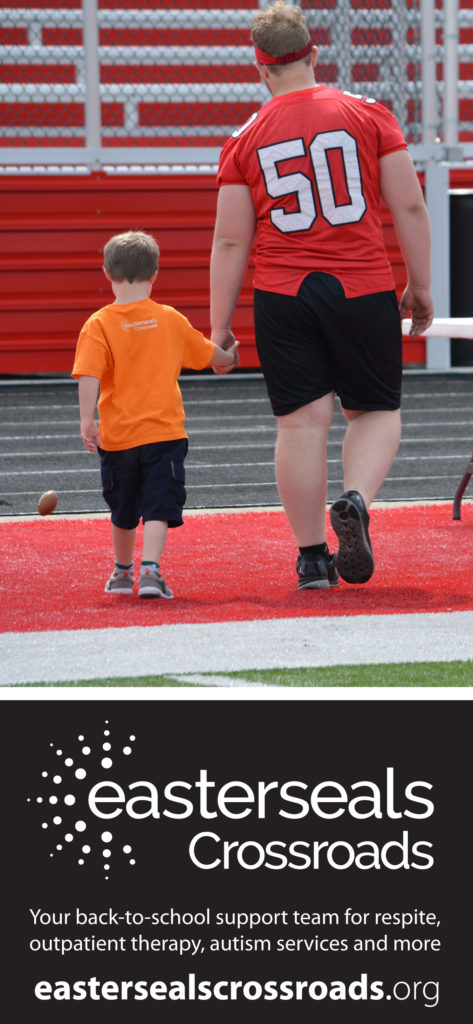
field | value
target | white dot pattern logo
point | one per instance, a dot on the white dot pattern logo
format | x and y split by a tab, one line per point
71	793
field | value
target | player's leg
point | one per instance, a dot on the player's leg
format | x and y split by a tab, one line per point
301	469
371	443
301	475
370	446
369	372
299	379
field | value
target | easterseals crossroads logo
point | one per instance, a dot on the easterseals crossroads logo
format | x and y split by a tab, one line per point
139	325
385	800
64	810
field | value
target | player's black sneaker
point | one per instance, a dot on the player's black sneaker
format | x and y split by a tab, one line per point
350	520
316	572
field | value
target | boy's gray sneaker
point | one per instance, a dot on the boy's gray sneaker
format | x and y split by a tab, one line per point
120	583
350	520
153	585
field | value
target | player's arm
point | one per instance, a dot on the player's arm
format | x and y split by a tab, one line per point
89	431
235	227
400	189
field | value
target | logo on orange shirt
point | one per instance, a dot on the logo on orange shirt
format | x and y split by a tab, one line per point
139	325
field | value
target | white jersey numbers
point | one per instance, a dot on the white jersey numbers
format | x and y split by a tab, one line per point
288	184
345	208
345	213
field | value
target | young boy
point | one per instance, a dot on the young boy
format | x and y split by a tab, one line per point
134	350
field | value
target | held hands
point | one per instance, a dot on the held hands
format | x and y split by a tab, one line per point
232	351
421	306
226	340
90	434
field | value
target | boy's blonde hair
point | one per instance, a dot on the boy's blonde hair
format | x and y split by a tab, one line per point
131	256
280	29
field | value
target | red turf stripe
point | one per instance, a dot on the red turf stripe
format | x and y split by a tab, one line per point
229	568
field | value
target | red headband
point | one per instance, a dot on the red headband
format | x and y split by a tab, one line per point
287	58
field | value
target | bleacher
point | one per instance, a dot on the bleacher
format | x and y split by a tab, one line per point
179	72
171	73
174	75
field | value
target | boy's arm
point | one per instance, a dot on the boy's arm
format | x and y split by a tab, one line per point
89	431
400	189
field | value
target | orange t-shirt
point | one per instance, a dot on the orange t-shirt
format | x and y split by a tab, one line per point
137	352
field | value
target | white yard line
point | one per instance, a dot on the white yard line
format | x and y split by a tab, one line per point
46	657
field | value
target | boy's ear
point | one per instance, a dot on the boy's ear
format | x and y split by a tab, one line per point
107	275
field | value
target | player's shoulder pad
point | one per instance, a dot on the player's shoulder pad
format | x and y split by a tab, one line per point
239	131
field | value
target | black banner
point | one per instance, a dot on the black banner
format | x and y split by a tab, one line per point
236	860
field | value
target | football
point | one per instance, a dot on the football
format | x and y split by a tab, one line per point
47	503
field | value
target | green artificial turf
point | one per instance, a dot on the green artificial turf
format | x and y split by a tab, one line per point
448	673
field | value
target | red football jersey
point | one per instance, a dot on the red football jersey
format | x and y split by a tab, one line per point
310	159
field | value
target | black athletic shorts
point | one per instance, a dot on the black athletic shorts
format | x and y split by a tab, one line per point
319	341
145	482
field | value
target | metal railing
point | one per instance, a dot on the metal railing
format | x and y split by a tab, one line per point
125	86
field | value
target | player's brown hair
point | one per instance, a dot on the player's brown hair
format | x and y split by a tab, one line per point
131	256
280	29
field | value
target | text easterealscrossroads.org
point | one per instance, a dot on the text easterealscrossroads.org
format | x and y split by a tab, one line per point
191	989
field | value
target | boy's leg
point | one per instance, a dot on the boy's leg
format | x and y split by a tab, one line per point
123	545
154	539
162	496
121	581
152	582
118	472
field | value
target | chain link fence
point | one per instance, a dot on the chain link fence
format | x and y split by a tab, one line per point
137	81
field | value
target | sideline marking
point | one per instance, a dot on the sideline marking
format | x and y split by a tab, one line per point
70	655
